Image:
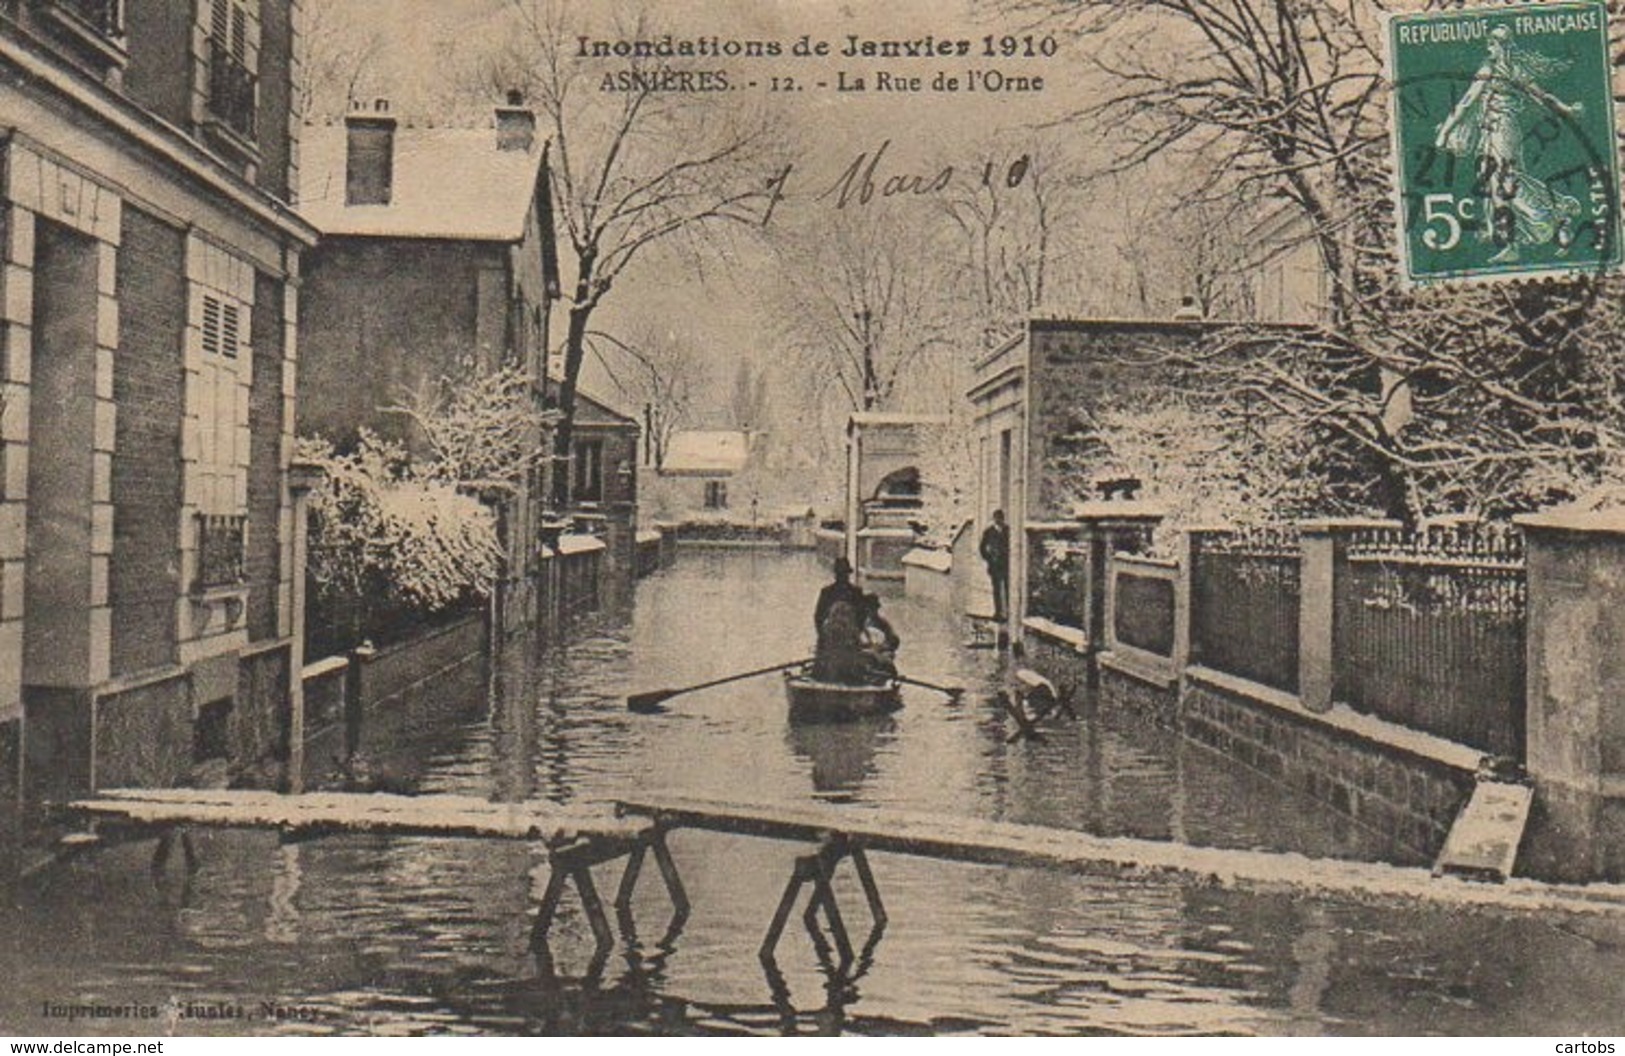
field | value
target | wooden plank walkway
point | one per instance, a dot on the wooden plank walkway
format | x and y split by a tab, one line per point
1004	843
338	812
1483	842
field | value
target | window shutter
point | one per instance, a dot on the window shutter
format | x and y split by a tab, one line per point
220	22
229	330
239	34
211	325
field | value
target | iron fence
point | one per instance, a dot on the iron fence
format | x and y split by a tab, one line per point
1244	603
220	539
1430	631
1058	578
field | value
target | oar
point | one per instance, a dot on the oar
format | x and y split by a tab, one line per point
649	703
952	692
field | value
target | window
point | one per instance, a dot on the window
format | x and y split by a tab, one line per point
103	17
221	403
716	495
222	327
589	483
211	732
233	27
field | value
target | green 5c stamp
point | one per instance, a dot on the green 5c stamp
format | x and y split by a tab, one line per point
1504	145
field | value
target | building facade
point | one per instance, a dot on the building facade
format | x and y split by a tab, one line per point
604	490
699	476
1033	400
436	259
148	159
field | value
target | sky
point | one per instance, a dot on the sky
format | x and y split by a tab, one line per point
421	42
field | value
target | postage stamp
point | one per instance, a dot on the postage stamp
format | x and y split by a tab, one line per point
1504	143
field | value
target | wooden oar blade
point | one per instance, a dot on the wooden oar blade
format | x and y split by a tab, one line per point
649	703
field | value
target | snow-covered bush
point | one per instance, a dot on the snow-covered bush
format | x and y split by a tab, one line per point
384	531
1206	463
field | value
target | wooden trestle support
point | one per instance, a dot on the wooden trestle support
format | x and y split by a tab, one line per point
818	869
572	862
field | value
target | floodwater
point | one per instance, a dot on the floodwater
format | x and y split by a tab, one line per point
364	934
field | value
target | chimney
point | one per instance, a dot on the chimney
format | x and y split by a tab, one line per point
1189	309
369	174
516	123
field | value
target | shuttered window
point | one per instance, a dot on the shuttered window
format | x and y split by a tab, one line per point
222	327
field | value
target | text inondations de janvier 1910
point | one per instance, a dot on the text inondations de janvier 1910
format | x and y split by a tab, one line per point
994	63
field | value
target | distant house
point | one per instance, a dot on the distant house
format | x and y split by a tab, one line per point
436	257
700	470
148	267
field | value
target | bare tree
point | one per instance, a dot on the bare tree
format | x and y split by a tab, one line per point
339	58
1425	401
864	306
483	430
657	371
633	169
1011	226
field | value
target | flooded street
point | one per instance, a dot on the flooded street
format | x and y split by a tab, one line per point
403	936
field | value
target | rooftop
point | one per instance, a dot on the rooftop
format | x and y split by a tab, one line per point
706	453
448	183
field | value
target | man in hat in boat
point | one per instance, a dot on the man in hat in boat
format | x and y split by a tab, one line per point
838	619
843	589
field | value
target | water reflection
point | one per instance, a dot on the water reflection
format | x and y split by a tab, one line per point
410	936
842	755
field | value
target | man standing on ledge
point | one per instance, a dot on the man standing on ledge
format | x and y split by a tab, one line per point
995	550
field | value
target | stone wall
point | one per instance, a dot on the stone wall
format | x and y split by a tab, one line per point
1129	691
1411	799
1409	796
391	672
144	735
259	717
1078	367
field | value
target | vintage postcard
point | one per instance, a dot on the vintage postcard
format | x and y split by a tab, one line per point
751	517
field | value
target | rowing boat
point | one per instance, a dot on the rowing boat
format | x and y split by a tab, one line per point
814	701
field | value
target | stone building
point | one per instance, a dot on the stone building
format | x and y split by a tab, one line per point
436	258
1032	398
148	159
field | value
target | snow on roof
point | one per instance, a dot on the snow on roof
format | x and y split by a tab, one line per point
450	183
714	453
595	410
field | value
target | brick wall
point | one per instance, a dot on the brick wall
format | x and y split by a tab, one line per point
263	557
159	73
147	386
358	350
144	736
276	95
